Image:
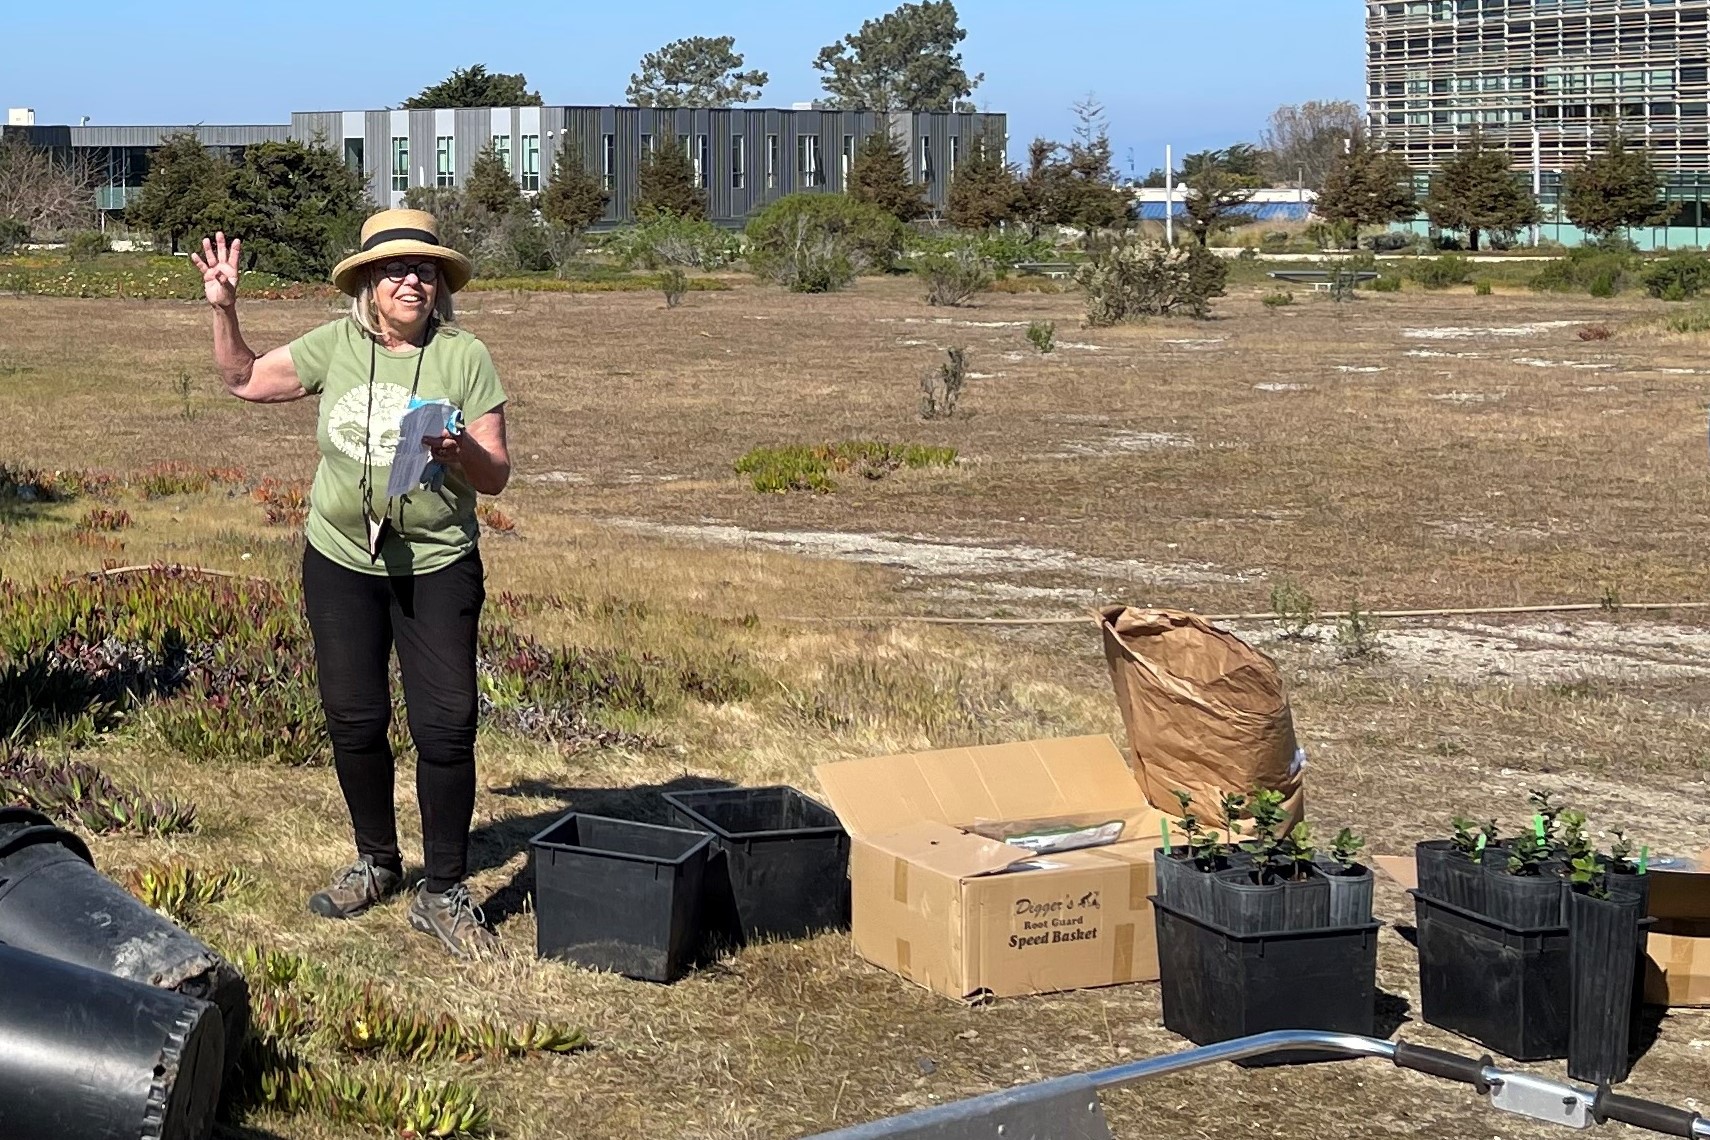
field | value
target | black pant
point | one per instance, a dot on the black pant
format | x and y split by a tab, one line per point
433	619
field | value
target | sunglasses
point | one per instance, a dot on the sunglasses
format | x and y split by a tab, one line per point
427	272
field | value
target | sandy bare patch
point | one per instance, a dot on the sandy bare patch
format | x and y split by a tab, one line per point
1463	332
1535	362
1434	354
919	555
1360	368
1277	386
1121	443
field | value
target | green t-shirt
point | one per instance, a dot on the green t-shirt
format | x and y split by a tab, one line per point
438	527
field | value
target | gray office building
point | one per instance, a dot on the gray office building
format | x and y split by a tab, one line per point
1543	78
743	158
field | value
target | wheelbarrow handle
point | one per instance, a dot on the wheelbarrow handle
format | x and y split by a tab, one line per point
1448	1066
1648	1114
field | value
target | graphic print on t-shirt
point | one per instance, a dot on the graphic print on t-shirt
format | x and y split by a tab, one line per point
345	426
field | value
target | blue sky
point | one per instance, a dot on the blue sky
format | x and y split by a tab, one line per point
1196	73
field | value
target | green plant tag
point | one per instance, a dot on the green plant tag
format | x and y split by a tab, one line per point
1164	827
1644	860
1538	826
1482	840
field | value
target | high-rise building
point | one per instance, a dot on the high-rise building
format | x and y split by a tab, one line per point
1544	78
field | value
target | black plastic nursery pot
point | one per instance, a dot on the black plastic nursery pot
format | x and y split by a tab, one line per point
779	866
1218	985
619	896
1240	903
1350	892
1450	875
1503	986
1607	961
86	1054
1183	883
54	902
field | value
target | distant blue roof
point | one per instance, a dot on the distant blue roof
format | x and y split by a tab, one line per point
1260	212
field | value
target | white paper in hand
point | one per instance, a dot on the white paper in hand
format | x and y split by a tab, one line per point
427	421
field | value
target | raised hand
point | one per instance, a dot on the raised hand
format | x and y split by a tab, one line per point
219	266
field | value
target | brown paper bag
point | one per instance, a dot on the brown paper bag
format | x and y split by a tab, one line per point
1206	712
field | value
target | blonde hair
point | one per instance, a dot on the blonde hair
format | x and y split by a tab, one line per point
364	309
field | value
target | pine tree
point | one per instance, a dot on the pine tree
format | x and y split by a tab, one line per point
1216	200
1477	191
1367	187
665	182
983	190
1612	191
573	196
186	187
476	87
491	184
879	176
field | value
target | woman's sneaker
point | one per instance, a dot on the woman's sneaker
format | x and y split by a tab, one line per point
454	919
354	889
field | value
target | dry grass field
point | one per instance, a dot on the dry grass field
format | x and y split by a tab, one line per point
1403	450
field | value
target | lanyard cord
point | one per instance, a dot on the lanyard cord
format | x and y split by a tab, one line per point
368	427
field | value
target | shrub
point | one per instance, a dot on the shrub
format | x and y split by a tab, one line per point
1481	289
662	240
1043	336
1693	321
528	242
1277	300
87	245
1677	277
801	468
1387	284
817	243
674	283
1132	278
1601	271
14	232
1596	332
953	277
941	389
1274	240
1441	272
1391	242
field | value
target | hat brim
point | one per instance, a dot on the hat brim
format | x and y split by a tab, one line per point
456	268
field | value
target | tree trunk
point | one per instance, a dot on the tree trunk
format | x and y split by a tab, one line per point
1472	239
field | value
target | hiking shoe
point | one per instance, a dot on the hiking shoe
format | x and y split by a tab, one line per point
354	889
454	919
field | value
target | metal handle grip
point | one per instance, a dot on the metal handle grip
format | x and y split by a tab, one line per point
1647	1114
1437	1063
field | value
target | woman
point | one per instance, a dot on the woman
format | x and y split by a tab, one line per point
380	572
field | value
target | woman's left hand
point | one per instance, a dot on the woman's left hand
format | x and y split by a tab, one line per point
446	448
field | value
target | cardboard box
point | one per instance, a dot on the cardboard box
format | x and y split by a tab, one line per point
969	916
1678	973
1679	946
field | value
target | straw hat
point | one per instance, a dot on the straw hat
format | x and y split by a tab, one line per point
402	233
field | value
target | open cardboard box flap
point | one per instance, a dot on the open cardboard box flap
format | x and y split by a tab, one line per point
955	787
950	851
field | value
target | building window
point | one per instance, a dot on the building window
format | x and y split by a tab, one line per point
807	159
531	162
926	158
400	164
955	152
703	160
647	144
608	162
353	154
848	157
502	148
771	162
738	163
445	161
